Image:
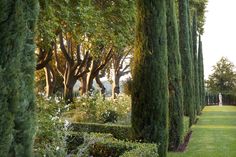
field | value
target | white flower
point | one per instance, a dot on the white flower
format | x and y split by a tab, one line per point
59	110
55	118
48	98
67	106
66	124
57	100
57	148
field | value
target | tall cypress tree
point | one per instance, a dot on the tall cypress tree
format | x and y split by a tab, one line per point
11	46
193	106
17	60
201	74
186	60
25	116
176	112
195	61
150	77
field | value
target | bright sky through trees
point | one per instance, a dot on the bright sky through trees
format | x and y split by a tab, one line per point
219	38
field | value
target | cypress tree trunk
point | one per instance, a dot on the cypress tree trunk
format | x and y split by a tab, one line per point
150	81
186	61
176	112
17	63
195	59
201	74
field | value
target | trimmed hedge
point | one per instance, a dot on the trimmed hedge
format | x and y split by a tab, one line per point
122	132
104	145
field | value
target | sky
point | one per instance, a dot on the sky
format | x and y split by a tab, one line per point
219	38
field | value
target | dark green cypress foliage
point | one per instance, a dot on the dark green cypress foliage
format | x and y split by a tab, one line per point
11	45
193	106
201	74
176	112
150	76
17	20
25	116
186	60
195	61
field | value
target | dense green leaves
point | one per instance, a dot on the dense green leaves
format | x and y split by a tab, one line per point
17	77
176	112
150	76
10	50
195	64
223	78
186	60
201	73
200	7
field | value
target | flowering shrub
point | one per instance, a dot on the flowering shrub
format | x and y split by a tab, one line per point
96	109
50	140
54	118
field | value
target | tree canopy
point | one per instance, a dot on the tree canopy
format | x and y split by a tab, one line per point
223	78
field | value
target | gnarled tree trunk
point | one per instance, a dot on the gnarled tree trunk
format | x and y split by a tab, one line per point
68	90
100	84
116	85
50	80
75	68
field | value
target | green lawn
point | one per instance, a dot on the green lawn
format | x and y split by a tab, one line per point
214	135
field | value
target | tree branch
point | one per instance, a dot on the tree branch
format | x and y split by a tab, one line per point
63	49
126	67
57	61
124	73
128	52
44	61
82	73
107	59
82	64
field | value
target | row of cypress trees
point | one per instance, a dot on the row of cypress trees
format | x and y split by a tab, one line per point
167	73
17	65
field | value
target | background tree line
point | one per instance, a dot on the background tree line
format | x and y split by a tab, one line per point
222	80
86	40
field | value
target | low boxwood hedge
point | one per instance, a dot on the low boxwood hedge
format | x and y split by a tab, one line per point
104	145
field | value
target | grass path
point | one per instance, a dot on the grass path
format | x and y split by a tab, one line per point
214	135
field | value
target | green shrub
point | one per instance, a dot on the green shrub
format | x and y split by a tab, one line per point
118	131
51	134
109	116
54	139
93	109
142	150
104	145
